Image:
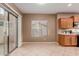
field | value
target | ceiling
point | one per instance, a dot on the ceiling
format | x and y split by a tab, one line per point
49	8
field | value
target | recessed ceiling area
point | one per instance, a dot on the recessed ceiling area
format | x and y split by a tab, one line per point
47	8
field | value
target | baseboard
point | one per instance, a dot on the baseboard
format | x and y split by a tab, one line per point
39	42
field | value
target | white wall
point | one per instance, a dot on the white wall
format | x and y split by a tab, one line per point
19	31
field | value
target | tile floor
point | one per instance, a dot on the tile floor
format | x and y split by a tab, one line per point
45	49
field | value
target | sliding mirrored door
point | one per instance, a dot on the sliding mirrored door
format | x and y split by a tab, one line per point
8	31
3	32
12	32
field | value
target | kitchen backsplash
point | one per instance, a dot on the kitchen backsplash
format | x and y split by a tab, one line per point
69	31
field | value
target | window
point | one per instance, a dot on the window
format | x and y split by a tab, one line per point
1	11
39	28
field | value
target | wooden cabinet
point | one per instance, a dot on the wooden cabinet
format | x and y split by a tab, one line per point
67	40
75	18
66	23
74	40
61	39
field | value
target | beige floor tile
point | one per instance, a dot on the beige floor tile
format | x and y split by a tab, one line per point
45	49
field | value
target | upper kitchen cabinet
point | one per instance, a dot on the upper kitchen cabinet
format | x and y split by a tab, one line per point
76	18
76	21
65	23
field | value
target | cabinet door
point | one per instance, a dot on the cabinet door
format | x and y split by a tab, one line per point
69	23
61	39
66	23
62	23
76	18
74	40
67	40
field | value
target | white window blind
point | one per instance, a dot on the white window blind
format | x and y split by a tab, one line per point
39	28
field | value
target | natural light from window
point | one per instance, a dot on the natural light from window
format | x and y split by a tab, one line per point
39	28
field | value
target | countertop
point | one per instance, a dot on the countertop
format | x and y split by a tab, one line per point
68	34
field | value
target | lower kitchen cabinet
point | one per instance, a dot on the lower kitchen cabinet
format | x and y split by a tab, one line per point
67	40
74	40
